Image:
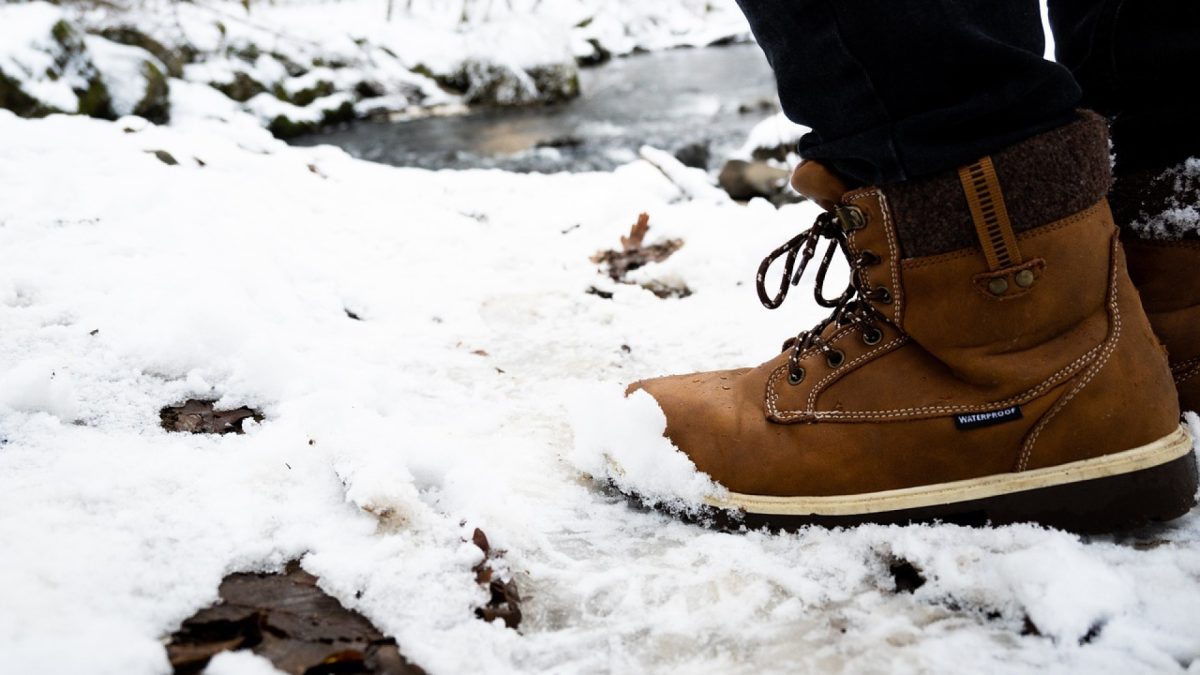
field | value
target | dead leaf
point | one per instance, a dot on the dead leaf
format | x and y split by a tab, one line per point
198	417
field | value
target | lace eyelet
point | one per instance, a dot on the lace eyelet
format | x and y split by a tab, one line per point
882	294
851	218
872	336
869	258
796	376
835	358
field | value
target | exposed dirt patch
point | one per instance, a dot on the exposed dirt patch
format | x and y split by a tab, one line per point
287	619
198	417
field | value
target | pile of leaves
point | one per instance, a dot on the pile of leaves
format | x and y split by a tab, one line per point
634	254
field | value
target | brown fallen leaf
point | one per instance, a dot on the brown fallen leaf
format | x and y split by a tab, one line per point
505	600
637	233
199	417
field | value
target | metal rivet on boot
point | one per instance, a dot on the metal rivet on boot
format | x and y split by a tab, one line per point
872	336
998	286
1024	278
835	358
796	376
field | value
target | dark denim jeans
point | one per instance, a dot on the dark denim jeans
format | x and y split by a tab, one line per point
896	89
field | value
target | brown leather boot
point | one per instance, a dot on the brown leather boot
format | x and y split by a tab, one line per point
1166	271
1012	378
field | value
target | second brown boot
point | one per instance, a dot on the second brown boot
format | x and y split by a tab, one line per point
1159	215
990	361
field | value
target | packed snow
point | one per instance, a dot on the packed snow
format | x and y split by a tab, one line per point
127	284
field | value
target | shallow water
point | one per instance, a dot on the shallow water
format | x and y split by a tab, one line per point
666	99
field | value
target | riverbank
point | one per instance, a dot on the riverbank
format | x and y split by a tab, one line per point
298	66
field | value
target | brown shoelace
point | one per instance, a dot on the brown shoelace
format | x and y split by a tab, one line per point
852	306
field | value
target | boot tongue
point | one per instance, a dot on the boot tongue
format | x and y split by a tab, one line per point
815	181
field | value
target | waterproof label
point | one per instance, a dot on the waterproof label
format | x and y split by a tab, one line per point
987	419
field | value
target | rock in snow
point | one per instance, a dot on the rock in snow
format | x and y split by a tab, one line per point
127	284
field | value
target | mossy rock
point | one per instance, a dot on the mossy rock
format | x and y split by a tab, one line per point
13	98
496	84
173	58
369	89
339	115
283	127
556	83
241	89
457	82
156	104
95	101
248	52
306	96
293	69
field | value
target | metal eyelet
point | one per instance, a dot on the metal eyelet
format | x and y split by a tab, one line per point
882	294
851	218
869	257
872	336
796	376
835	358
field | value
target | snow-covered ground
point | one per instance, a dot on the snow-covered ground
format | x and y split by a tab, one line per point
127	284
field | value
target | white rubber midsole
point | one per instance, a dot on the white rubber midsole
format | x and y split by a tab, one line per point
1163	450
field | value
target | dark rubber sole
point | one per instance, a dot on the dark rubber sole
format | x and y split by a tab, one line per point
1155	494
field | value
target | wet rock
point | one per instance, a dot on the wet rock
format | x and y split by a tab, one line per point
567	141
555	82
491	83
746	180
598	55
288	620
696	155
505	600
199	417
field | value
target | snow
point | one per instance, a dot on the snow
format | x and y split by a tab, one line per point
460	400
1180	216
122	68
775	131
27	55
240	663
634	455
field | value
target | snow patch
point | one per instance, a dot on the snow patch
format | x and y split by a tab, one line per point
240	663
621	439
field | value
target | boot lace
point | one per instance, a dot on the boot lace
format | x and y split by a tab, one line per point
852	306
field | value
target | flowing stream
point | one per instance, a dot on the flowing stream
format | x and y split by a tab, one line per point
670	99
